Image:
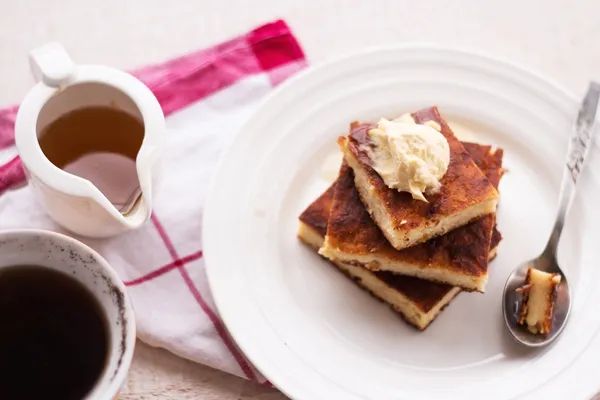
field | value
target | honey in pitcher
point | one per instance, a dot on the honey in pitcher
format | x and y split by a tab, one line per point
99	144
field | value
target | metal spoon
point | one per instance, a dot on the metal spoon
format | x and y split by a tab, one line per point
580	142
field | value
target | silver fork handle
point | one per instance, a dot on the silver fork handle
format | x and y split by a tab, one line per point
579	147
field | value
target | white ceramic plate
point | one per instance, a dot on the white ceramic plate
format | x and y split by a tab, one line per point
315	334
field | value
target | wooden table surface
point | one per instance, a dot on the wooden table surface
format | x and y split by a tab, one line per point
557	38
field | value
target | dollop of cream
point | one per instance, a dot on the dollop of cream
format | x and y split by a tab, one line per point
410	157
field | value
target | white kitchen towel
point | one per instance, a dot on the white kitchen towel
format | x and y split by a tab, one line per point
206	97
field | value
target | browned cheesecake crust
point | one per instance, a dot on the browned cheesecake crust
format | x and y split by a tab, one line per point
351	231
425	296
463	187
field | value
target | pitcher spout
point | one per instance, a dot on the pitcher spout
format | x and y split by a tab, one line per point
138	214
148	170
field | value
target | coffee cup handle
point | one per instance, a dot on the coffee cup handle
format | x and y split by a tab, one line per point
51	65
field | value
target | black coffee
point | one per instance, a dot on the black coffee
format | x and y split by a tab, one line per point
53	335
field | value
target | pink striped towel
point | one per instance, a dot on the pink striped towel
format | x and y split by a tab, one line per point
206	96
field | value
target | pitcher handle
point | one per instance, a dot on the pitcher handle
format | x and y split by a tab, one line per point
51	64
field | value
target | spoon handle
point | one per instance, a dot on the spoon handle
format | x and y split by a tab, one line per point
579	146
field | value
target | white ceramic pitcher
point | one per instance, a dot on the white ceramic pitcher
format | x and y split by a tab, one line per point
74	202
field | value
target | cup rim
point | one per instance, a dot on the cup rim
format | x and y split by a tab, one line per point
118	378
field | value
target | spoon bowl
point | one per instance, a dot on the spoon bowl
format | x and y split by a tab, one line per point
511	301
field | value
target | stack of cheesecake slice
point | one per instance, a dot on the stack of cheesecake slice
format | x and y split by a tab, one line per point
414	255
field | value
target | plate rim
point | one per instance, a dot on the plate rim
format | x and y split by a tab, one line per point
516	70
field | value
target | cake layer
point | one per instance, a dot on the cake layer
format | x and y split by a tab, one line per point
458	258
465	193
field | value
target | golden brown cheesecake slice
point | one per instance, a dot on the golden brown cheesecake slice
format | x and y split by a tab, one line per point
537	304
418	301
458	258
465	193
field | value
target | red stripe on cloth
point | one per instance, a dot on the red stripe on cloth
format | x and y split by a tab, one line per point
274	45
165	238
277	51
216	321
185	80
239	358
11	174
166	268
8	116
